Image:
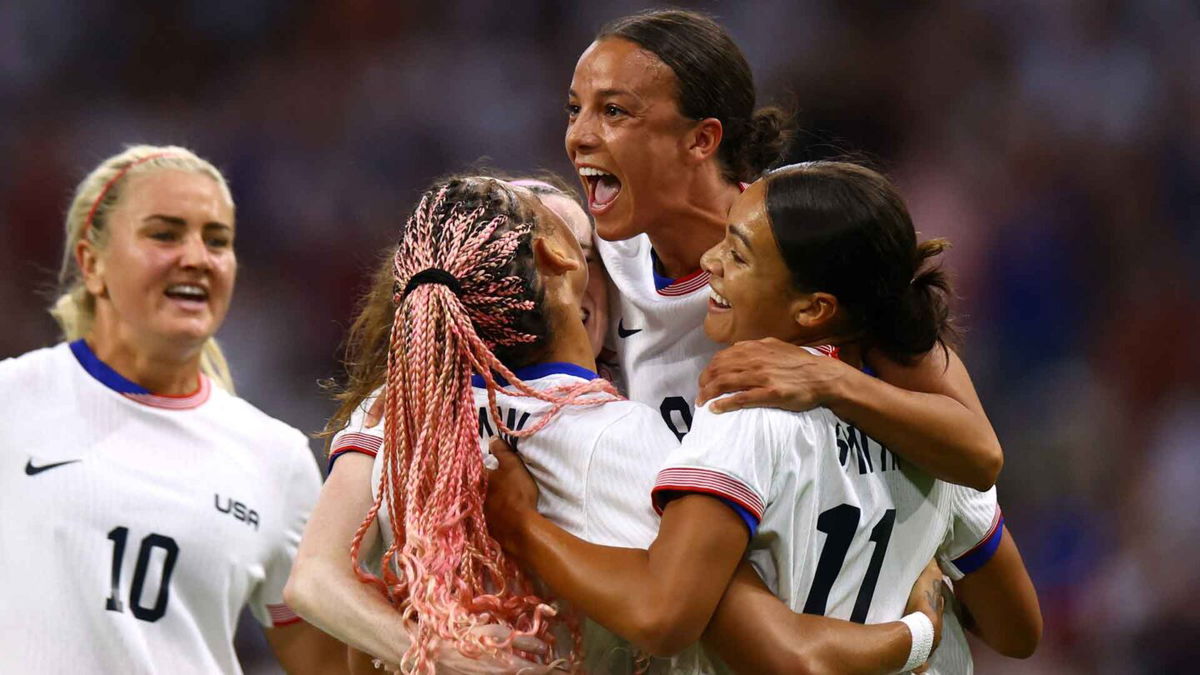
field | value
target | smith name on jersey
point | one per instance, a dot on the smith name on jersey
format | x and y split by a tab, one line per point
136	526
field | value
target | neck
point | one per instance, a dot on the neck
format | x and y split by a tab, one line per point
696	224
164	371
570	343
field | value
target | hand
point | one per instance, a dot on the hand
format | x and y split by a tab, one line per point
453	662
376	412
928	598
511	496
770	373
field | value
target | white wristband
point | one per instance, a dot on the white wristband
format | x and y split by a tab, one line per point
922	640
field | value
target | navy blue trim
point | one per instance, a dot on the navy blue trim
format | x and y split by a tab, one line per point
539	370
870	371
981	554
664	497
660	281
102	372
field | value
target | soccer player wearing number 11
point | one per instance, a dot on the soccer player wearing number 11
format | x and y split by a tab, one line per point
143	503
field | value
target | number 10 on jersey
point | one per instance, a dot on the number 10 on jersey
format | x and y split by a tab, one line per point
118	536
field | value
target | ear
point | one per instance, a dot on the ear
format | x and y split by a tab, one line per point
552	258
814	310
705	139
91	267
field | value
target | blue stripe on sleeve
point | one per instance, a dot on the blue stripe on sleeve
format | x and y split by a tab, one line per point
981	554
665	496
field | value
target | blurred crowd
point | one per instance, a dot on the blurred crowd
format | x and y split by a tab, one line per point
1056	143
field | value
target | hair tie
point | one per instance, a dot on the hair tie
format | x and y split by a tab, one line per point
91	214
432	275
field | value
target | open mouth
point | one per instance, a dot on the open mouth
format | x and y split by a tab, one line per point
717	300
603	188
187	293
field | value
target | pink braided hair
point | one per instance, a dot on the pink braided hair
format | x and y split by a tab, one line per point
443	571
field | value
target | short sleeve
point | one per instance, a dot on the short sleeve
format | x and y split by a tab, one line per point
976	525
357	437
620	475
729	456
299	496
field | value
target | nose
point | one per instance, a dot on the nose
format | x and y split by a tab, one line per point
581	134
194	252
711	261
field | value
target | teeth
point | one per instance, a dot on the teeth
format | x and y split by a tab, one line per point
717	298
190	290
592	171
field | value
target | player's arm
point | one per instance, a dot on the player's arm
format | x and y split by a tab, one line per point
303	649
659	599
927	413
1002	603
753	631
323	587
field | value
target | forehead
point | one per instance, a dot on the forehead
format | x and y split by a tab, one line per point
571	213
750	207
615	63
169	191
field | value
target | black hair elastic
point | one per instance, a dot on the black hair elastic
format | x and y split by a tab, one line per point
432	275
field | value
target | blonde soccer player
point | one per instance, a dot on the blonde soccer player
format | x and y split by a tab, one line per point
144	503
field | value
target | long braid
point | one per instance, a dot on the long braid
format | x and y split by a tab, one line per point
443	571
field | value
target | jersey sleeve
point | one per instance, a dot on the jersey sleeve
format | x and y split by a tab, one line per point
730	456
357	437
299	496
976	525
620	475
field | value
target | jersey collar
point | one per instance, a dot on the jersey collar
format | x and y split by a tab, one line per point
104	374
537	371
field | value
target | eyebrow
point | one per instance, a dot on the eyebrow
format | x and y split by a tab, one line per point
740	232
176	221
604	93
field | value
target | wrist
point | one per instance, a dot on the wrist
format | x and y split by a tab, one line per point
921	629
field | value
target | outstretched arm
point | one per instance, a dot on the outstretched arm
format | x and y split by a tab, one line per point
659	599
927	413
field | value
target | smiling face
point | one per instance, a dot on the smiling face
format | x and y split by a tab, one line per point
595	297
166	273
753	295
626	136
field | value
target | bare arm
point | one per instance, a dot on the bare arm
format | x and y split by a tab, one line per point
1002	602
754	632
659	599
927	413
302	649
323	587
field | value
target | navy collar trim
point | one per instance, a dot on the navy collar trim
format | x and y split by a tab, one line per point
102	372
539	370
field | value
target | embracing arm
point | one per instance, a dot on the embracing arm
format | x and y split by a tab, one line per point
754	632
323	587
1002	602
659	599
927	413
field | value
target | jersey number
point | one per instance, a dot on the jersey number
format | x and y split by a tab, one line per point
118	535
839	525
677	414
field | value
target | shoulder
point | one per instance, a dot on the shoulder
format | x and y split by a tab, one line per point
261	429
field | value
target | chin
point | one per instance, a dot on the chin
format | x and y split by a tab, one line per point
616	226
716	332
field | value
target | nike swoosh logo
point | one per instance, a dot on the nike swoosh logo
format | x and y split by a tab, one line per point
31	470
622	332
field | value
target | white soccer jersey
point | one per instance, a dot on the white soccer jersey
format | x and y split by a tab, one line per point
975	530
594	465
656	331
136	526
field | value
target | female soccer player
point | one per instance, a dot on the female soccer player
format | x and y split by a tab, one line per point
769	480
663	133
595	461
144	503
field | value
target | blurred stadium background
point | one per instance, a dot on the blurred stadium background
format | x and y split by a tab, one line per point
1056	143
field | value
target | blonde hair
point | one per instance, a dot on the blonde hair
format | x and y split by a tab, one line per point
87	218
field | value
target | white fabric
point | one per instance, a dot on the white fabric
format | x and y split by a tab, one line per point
594	466
976	517
920	629
659	364
788	469
184	478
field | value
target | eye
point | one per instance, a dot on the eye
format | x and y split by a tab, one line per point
219	241
572	109
611	110
164	235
